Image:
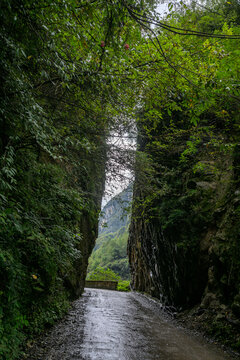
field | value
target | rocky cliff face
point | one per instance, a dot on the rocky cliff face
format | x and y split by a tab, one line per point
184	236
88	224
114	214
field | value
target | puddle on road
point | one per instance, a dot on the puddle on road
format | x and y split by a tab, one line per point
108	325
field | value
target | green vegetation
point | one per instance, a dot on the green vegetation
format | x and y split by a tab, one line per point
123	285
110	250
183	242
73	72
103	274
55	106
189	140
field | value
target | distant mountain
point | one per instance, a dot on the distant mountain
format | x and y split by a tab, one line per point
115	213
111	246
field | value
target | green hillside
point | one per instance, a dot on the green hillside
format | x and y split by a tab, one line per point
111	246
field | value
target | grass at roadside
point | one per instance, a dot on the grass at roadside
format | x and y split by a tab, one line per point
123	285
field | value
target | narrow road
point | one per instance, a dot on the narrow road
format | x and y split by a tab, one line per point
108	325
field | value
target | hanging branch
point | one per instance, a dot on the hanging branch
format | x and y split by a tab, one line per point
176	30
159	48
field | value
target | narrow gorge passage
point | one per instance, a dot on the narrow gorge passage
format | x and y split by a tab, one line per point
108	325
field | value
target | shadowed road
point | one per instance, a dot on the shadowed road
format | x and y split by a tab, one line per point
108	325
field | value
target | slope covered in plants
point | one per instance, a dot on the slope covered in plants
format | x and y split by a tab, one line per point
110	250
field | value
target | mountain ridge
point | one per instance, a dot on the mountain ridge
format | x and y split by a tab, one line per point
110	250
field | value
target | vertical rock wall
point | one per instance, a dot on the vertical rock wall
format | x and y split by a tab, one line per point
88	225
184	235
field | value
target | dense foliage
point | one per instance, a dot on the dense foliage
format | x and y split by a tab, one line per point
71	73
184	244
101	274
55	106
112	253
189	129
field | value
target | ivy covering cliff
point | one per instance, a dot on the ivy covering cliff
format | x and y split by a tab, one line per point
57	108
50	188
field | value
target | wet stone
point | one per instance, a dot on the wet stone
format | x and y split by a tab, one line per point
109	325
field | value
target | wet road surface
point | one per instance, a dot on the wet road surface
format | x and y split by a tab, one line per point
109	325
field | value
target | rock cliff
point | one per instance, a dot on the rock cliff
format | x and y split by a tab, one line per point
184	235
